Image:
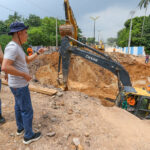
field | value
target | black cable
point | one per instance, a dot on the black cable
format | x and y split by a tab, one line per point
37	6
11	10
7	8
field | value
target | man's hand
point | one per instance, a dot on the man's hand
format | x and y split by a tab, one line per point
42	50
27	77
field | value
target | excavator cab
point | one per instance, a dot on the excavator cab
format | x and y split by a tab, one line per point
100	46
136	102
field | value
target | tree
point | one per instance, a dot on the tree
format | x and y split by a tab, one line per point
3	27
33	20
143	3
137	40
4	40
38	37
41	31
13	18
111	41
90	40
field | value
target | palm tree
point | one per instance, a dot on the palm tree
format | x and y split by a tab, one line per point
144	3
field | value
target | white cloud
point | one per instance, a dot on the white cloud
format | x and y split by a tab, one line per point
110	22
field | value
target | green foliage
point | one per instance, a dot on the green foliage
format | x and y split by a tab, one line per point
13	18
90	40
111	41
3	28
136	40
4	40
41	31
33	21
144	3
122	39
37	37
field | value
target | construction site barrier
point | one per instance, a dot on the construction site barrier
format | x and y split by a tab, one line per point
137	51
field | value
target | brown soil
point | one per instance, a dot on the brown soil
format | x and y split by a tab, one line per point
74	114
92	79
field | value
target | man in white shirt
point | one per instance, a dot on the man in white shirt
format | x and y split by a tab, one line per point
15	65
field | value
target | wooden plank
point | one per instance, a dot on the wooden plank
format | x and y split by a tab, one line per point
42	90
37	89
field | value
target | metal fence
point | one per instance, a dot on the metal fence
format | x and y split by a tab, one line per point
50	49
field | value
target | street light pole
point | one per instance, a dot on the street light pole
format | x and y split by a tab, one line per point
130	32
99	35
94	19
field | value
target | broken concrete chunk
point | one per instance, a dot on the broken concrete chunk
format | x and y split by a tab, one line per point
51	134
59	94
76	141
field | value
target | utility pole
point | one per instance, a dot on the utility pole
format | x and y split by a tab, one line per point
99	35
94	19
143	22
130	32
56	34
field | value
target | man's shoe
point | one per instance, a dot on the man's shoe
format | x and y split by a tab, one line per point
35	137
2	120
20	132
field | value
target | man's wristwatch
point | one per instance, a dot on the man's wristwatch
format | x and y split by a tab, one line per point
37	53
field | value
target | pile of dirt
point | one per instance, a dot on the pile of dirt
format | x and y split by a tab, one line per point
90	78
70	118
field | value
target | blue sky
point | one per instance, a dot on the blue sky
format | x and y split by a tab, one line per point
112	13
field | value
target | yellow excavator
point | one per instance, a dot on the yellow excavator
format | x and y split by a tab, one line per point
134	100
100	46
70	27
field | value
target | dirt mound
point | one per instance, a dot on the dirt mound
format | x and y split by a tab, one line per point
92	79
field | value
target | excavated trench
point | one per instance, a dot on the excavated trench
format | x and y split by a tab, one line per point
90	78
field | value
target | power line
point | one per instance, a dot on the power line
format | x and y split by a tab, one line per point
11	10
37	6
7	8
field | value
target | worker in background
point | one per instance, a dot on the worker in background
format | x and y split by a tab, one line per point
114	49
30	50
147	59
148	88
15	64
2	119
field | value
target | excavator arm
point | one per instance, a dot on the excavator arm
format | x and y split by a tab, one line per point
101	59
70	19
70	27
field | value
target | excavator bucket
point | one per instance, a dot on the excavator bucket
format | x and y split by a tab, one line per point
66	29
